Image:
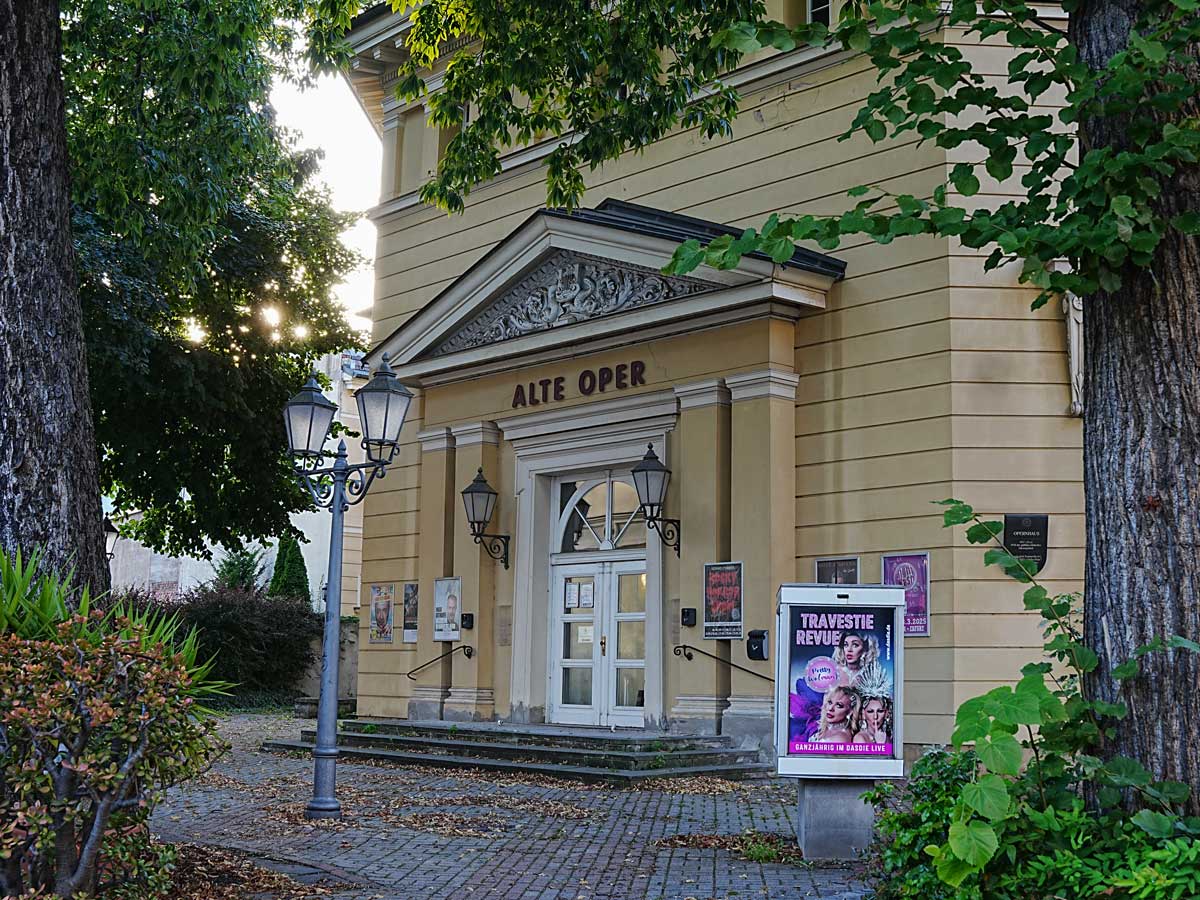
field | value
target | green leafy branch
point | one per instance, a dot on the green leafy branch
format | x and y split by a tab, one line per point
1097	214
1055	768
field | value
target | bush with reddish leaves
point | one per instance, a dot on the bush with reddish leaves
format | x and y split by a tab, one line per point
99	714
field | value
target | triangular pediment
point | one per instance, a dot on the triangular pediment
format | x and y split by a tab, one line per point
567	288
564	280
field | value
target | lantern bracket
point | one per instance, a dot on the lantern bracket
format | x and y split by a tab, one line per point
668	529
496	545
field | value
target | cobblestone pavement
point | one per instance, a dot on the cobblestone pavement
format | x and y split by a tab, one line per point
417	834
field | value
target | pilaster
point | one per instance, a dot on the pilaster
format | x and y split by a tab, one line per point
436	561
701	684
763	530
472	689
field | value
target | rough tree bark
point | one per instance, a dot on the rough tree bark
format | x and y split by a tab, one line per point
49	489
1142	459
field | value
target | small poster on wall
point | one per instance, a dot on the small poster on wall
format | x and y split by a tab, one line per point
383	602
410	613
723	601
447	609
837	570
911	572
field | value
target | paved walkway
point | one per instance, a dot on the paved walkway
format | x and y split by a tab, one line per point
420	834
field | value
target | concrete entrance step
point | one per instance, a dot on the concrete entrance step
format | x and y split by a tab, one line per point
664	756
579	772
622	739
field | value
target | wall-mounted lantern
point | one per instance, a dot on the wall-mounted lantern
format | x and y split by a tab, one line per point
480	501
651	478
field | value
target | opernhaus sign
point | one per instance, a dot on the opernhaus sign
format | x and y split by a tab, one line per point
590	381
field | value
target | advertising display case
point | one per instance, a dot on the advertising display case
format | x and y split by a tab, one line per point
839	677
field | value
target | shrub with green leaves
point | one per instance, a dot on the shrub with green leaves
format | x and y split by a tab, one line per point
100	713
912	816
1046	812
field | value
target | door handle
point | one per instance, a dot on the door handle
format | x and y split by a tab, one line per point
603	645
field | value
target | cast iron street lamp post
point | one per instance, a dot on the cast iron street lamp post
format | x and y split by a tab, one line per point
382	406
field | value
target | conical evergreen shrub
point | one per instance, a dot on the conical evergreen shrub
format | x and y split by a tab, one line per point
290	578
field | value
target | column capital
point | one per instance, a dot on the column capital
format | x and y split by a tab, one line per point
710	392
763	383
475	433
434	439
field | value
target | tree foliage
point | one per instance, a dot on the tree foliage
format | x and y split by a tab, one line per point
207	256
618	76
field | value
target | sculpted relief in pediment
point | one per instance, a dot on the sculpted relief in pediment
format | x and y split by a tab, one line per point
568	288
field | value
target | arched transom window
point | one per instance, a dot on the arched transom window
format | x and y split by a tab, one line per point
599	513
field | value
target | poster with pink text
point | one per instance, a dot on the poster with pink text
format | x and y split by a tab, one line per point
841	681
911	572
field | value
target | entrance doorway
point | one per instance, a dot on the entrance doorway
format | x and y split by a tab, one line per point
598	605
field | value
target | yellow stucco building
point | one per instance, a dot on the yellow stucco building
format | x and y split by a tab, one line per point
807	410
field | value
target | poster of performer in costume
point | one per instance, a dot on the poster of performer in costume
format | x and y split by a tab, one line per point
841	684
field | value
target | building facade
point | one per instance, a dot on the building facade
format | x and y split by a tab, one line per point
809	410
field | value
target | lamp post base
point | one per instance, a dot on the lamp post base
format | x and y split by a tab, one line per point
323	808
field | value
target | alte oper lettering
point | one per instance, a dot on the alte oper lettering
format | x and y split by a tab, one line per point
590	381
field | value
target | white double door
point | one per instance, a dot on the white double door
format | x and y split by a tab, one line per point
598	643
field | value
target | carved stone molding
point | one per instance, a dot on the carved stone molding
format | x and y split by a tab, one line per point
568	288
1073	313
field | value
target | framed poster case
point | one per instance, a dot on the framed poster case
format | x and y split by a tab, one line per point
839	679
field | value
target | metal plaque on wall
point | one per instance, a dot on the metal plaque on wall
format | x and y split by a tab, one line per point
1027	535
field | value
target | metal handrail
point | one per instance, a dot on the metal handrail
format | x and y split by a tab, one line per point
467	650
686	650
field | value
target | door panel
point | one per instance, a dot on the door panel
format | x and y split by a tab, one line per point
598	668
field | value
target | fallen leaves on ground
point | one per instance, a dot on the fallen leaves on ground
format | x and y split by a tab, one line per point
698	785
454	824
553	809
205	873
756	846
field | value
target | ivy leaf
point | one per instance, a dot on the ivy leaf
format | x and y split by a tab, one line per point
1156	824
952	870
973	842
1177	642
1188	222
1012	708
742	37
1036	597
964	180
687	256
1125	772
983	532
1173	791
957	513
1000	753
988	796
1126	670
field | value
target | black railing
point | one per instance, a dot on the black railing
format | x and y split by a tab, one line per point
686	651
468	652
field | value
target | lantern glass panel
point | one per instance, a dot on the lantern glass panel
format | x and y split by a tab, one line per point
308	424
650	478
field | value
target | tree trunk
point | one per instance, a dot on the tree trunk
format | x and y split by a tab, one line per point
49	488
1142	461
